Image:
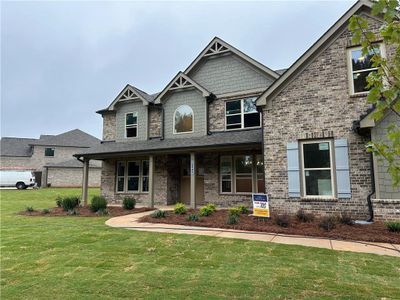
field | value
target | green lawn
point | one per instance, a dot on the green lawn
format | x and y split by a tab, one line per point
81	258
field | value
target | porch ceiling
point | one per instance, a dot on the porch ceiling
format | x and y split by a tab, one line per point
215	142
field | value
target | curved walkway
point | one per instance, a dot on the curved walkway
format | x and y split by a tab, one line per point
131	222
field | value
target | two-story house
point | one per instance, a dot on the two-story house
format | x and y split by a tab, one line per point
51	158
228	126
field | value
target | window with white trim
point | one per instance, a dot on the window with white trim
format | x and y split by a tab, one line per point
239	174
183	119
242	113
361	66
132	176
131	125
317	168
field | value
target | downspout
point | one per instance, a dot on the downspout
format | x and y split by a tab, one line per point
262	144
369	201
162	122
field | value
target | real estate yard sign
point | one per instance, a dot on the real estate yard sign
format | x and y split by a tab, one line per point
260	205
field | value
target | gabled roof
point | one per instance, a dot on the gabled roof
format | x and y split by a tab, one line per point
13	146
130	92
318	46
73	138
218	46
179	82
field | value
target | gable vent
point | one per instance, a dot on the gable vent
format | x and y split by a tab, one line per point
216	48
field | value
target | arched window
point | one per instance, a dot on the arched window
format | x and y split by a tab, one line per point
183	119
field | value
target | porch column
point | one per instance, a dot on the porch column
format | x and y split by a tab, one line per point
151	180
85	181
193	180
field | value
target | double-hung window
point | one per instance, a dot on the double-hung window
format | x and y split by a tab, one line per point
360	67
242	174
317	168
242	113
132	176
131	125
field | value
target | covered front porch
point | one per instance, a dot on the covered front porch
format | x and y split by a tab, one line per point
223	174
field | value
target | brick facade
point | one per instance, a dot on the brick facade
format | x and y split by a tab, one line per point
317	103
154	122
109	126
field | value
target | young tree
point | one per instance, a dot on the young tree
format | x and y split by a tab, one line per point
384	84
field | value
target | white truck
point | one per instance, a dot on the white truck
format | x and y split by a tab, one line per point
15	178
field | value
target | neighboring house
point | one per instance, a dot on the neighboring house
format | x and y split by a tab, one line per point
51	158
228	126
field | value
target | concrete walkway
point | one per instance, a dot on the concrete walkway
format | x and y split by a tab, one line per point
131	222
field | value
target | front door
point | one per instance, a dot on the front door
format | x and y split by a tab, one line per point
185	182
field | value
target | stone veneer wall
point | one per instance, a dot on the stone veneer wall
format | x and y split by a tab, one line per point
316	103
72	177
387	210
154	122
109	126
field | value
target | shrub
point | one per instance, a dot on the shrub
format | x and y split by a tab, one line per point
282	220
180	209
233	218
98	203
69	203
207	210
193	217
302	216
327	223
29	209
243	209
235	211
129	203
393	226
346	219
73	212
46	211
59	201
159	214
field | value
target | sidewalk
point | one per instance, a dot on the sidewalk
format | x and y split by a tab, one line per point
131	222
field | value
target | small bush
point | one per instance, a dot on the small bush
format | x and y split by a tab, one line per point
29	209
59	201
159	214
129	203
302	216
69	203
207	210
327	223
233	218
73	212
98	203
346	219
193	217
393	226
180	209
282	220
235	211
46	211
243	209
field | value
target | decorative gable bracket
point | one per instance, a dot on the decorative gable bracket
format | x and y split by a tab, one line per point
216	48
180	83
129	94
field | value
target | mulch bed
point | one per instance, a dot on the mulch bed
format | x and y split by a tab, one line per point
376	232
113	211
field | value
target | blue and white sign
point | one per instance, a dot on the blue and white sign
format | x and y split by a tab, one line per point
260	205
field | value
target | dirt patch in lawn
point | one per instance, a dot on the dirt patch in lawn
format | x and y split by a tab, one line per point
113	211
376	232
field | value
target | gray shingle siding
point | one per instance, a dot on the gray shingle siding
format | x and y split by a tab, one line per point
122	110
196	101
226	74
385	189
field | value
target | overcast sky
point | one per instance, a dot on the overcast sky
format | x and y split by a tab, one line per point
60	62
